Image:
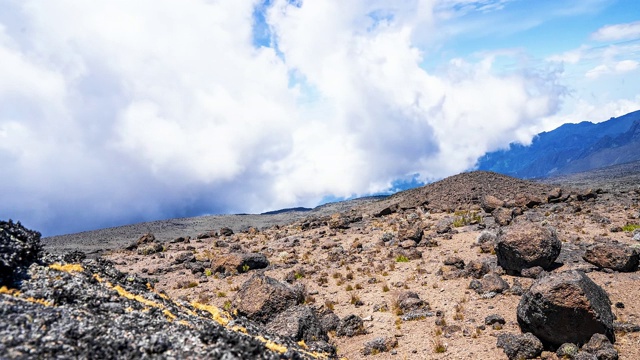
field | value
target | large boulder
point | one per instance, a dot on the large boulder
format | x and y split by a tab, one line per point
566	308
240	262
612	256
19	248
299	323
261	297
527	245
490	203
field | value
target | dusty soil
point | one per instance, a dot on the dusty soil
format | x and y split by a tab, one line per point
361	261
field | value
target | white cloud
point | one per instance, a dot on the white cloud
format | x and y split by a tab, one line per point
125	111
619	67
617	32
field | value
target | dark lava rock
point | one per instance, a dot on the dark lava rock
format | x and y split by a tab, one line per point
490	283
600	346
90	310
414	233
503	216
146	238
532	272
19	248
490	203
379	344
477	268
299	323
351	325
612	256
225	231
454	261
409	301
240	262
261	297
566	308
494	319
520	346
527	245
328	320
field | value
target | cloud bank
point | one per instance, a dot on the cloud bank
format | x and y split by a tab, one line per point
113	112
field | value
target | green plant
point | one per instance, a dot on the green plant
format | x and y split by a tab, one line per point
192	284
630	227
438	346
245	268
402	258
385	288
208	272
221	294
298	276
227	305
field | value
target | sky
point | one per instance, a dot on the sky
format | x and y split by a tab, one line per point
115	112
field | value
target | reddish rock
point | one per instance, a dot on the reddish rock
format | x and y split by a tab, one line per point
566	308
490	203
612	256
240	262
261	297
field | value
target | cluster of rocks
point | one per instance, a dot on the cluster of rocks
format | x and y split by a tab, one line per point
68	307
279	307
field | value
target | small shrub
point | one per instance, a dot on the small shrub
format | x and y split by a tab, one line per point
630	227
355	300
227	305
358	286
298	276
350	276
438	346
385	288
329	304
349	287
221	294
192	284
208	272
245	268
402	258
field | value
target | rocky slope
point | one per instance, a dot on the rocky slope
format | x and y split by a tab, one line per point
571	148
465	268
66	307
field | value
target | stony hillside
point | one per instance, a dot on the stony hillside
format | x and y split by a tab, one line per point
478	265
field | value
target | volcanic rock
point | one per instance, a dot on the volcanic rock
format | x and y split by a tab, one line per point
379	344
612	256
299	323
527	245
490	203
566	308
520	346
350	325
240	262
19	248
261	297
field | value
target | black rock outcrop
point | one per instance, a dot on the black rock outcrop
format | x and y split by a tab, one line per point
90	310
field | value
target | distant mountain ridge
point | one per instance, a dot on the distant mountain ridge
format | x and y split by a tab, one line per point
569	149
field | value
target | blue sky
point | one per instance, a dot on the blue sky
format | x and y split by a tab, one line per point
114	112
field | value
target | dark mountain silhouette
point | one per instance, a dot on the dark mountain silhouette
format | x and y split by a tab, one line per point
571	148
